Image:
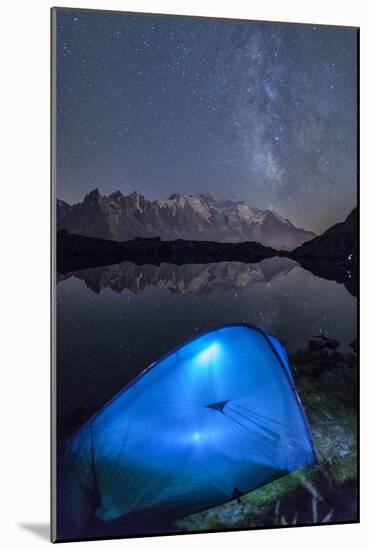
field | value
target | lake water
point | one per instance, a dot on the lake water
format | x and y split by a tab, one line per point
113	321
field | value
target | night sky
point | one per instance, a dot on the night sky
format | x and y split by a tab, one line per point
264	113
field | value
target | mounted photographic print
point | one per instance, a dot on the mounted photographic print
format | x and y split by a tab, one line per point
205	281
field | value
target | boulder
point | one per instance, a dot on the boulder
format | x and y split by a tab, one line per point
321	342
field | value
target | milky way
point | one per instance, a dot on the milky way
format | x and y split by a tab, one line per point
259	112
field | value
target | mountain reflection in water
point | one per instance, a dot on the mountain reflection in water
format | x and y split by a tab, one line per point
197	278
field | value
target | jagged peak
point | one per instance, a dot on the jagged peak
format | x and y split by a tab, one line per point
136	195
92	195
61	203
116	194
206	196
175	196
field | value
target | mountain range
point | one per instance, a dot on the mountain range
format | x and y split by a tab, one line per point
202	217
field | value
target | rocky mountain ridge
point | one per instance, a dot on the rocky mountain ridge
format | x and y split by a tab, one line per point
201	217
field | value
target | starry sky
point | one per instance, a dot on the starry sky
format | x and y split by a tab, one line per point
260	112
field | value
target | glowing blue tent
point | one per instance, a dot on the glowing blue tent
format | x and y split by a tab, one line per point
210	421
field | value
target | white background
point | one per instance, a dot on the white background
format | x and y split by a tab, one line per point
24	284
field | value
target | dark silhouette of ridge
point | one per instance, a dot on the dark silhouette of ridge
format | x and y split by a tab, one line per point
75	252
334	254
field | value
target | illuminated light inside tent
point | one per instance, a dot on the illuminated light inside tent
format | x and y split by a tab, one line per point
209	356
196	437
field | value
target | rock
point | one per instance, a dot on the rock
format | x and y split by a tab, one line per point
321	342
344	452
349	360
315	345
353	345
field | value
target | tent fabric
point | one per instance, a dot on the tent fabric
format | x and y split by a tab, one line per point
212	420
